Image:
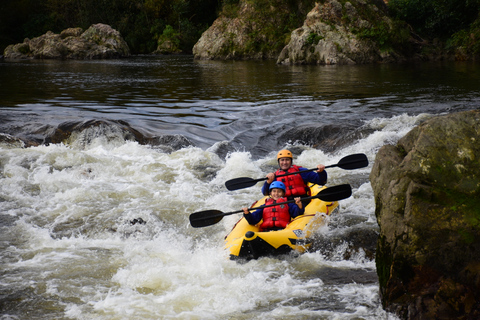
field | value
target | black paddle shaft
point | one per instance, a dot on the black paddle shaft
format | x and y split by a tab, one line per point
350	162
210	217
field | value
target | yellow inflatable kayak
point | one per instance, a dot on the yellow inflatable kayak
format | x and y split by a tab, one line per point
246	241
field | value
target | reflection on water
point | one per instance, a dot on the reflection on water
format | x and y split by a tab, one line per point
68	249
178	81
213	101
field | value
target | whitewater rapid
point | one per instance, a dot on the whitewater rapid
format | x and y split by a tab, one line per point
72	249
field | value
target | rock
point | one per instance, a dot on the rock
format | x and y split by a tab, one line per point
169	143
427	196
108	43
84	133
351	33
99	41
327	138
167	47
334	32
247	34
218	41
9	142
71	32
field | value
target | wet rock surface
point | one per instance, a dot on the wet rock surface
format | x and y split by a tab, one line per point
427	196
100	41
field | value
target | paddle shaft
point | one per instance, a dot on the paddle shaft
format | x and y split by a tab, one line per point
341	163
353	161
209	217
267	206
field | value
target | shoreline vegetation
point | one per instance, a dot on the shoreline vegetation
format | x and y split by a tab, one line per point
262	29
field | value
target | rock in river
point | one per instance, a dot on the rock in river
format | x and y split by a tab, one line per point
99	41
427	196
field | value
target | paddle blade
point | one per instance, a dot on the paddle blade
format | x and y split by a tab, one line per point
353	161
335	193
240	183
205	218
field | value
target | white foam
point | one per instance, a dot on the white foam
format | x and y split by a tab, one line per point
75	235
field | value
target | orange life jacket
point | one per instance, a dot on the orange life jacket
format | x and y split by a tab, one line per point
276	216
294	184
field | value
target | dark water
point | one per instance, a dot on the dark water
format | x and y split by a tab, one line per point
250	104
156	138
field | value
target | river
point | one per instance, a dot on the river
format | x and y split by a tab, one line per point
96	226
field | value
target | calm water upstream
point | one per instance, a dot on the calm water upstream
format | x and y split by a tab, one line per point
68	247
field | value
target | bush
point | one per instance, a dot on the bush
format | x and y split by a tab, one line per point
468	39
141	22
436	18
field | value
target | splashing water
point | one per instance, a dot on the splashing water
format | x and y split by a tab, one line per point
73	248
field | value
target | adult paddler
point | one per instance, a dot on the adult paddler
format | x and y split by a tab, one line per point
296	184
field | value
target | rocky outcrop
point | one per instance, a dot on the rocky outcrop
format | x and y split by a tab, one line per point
99	41
224	40
8	141
81	134
427	196
244	35
333	32
344	32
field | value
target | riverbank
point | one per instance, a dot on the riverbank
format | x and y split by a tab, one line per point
305	32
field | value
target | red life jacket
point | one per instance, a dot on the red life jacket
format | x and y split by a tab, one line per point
276	216
294	184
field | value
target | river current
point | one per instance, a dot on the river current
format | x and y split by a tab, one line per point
95	226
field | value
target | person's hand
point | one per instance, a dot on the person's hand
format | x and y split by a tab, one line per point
298	202
320	168
245	210
270	177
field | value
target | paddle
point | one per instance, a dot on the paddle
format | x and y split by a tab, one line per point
209	217
353	161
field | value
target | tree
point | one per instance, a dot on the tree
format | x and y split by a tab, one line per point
141	22
436	18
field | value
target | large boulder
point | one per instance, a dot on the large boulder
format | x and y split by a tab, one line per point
427	196
333	32
346	32
99	41
249	30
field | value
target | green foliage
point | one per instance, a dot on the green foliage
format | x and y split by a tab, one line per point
24	48
141	22
313	39
387	34
230	8
170	33
468	39
436	18
380	33
18	18
271	23
171	37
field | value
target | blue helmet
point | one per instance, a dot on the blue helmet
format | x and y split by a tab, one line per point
277	185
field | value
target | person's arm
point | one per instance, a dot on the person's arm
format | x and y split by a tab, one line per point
253	217
314	177
296	209
266	186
